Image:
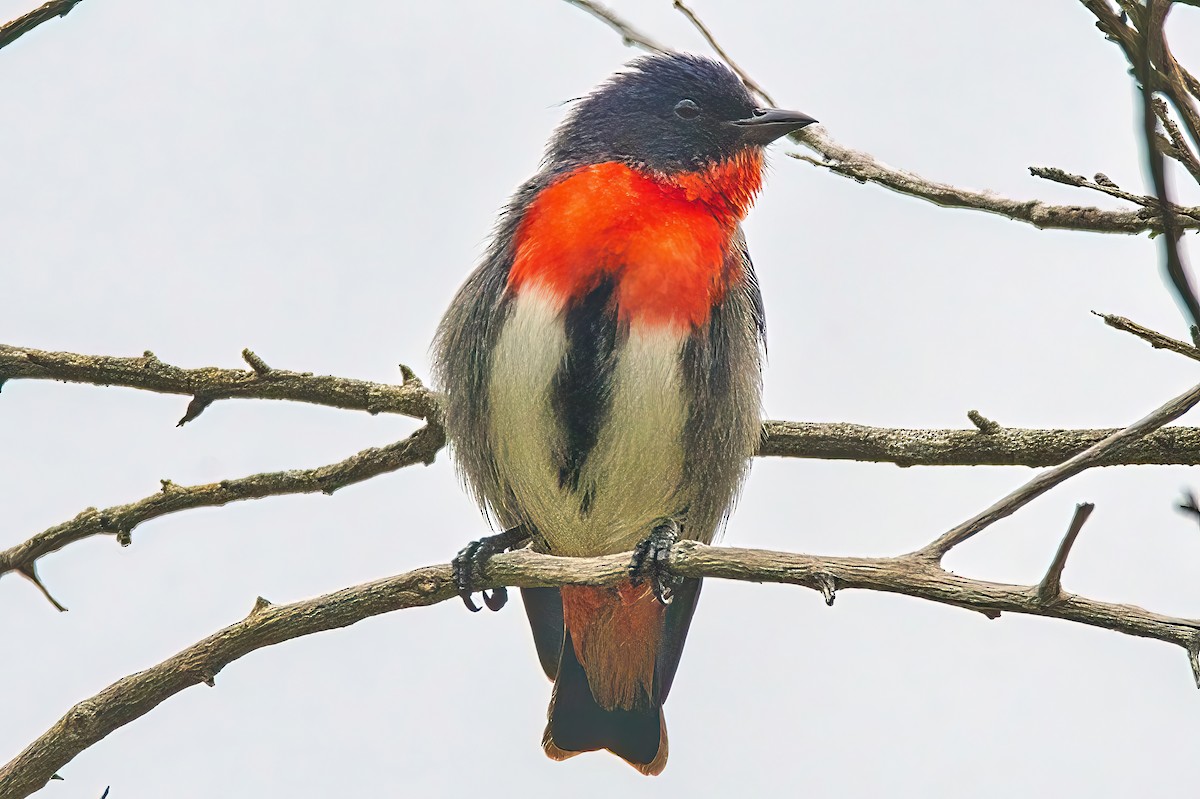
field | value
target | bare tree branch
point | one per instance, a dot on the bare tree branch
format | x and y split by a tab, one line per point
120	520
131	697
209	384
11	31
1052	477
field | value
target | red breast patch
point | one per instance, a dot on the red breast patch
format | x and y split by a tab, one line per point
664	238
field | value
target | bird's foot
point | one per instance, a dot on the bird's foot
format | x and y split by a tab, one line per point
651	560
468	566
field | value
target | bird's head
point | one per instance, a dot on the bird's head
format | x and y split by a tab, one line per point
669	114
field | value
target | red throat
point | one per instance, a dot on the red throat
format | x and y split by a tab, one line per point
663	239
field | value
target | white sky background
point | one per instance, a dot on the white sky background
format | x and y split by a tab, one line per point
314	180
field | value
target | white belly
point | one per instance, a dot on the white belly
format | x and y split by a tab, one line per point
632	476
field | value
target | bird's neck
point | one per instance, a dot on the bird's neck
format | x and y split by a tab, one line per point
727	187
665	240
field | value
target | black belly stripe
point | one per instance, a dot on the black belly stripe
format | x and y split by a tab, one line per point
581	394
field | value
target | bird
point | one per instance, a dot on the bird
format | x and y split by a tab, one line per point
601	374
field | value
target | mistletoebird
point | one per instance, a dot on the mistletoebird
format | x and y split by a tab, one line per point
602	379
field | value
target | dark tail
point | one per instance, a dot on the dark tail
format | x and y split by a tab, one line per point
578	724
634	731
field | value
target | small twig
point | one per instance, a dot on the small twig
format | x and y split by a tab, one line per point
256	363
630	35
985	425
1105	185
11	31
196	407
1175	145
751	84
1050	588
29	572
1152	337
1052	477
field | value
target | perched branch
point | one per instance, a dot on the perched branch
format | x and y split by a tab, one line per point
11	31
132	697
866	168
119	520
209	384
1052	477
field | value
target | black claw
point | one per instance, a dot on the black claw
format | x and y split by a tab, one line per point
497	599
651	558
468	564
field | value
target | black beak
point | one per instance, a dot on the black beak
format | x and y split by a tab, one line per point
768	124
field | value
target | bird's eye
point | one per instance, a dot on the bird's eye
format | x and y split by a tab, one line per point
686	109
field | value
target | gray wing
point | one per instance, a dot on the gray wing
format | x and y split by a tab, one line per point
462	351
722	365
